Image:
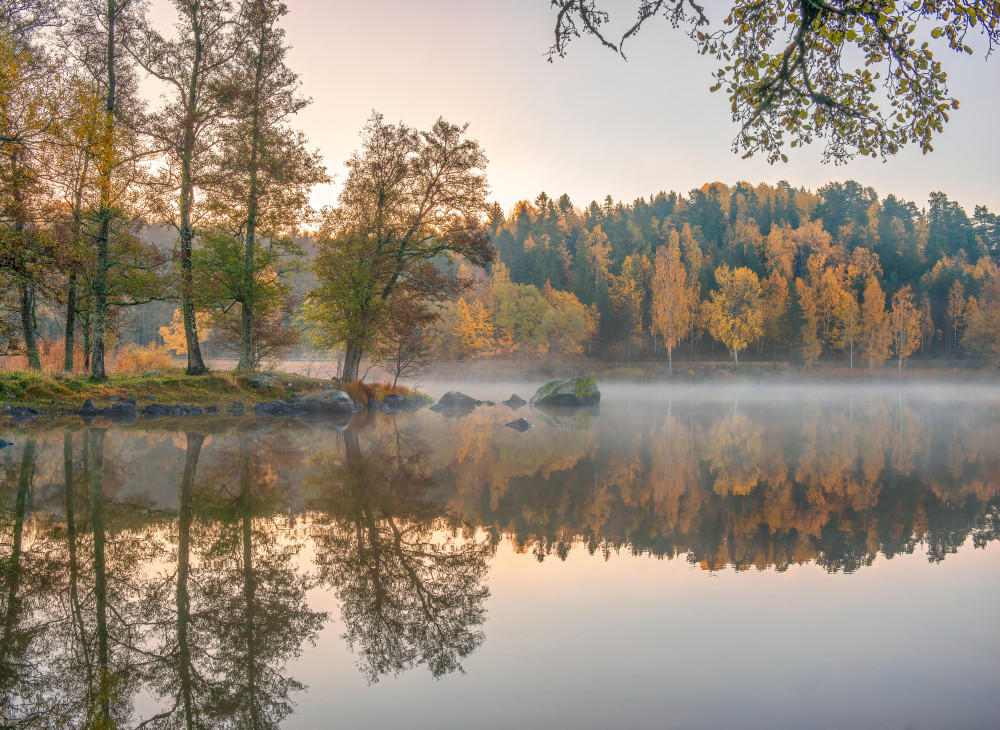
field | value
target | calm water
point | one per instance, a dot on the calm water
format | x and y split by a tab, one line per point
691	558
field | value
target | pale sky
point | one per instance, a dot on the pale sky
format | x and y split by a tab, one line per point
590	124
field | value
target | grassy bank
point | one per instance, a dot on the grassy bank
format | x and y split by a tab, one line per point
57	391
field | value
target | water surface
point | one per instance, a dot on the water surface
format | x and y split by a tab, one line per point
683	557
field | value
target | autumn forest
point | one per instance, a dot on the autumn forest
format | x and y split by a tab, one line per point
134	233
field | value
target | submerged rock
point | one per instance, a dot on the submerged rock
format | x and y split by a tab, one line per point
567	393
521	425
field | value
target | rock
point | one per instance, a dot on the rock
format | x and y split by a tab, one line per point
394	401
262	380
153	373
327	401
5	444
113	398
521	425
453	400
567	392
238	406
277	408
212	411
122	414
376	406
88	405
515	401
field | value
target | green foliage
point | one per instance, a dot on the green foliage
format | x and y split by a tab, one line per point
861	75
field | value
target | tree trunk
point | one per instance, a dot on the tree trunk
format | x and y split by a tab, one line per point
195	363
352	362
70	332
104	213
27	297
98	323
736	358
87	329
250	240
670	361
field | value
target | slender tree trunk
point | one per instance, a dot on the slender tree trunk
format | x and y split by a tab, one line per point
195	364
27	300
87	329
247	305
101	244
98	323
70	331
670	360
736	357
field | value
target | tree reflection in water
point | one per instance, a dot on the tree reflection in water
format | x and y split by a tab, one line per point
239	608
410	576
198	598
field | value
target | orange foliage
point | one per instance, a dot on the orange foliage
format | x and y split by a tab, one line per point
136	359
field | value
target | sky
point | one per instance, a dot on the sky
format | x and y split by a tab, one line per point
591	124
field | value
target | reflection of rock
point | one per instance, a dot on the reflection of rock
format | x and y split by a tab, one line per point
572	418
567	392
521	424
327	401
515	401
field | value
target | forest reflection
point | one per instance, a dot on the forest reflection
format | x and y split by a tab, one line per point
146	561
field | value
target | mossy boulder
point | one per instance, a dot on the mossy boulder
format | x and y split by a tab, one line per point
567	393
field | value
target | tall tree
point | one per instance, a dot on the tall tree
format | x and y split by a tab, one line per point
265	171
410	198
905	321
674	298
96	36
734	313
193	66
875	334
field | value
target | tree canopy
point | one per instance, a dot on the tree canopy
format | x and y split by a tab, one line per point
860	74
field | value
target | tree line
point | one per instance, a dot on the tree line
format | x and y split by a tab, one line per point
413	262
839	272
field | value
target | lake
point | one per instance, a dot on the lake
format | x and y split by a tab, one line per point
684	557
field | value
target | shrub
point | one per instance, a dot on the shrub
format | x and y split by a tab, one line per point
136	359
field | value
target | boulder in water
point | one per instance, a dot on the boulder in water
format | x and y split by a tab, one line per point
515	401
455	401
327	401
567	393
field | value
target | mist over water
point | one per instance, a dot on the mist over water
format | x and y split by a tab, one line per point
716	554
